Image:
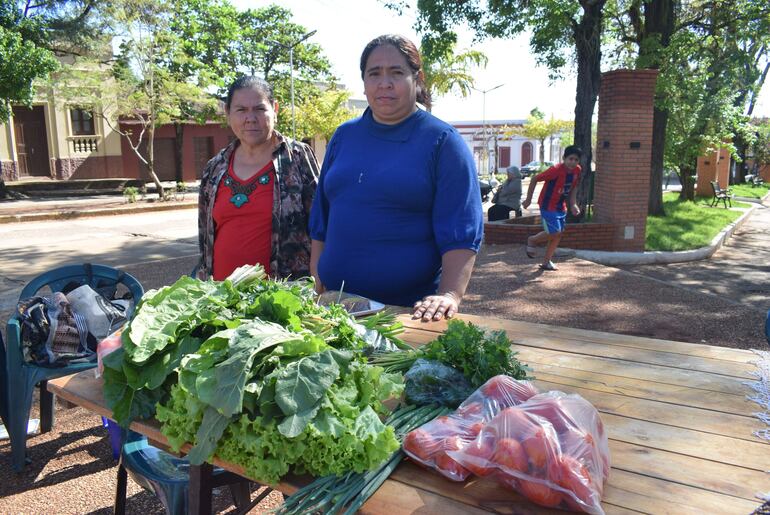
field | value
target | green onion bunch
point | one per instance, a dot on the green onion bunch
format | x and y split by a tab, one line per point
331	494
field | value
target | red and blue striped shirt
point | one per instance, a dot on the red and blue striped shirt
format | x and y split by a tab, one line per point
558	181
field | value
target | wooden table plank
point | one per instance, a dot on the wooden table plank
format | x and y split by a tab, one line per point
530	329
699	473
716	402
723	449
643	356
671	414
658	496
702	381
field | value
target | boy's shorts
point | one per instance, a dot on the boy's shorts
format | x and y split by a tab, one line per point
553	221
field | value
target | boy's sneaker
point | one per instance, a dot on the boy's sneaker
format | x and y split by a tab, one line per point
548	266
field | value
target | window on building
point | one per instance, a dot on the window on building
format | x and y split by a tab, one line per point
82	122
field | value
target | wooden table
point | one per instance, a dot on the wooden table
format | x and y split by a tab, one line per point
679	424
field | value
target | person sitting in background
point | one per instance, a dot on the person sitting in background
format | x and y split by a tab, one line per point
397	217
507	198
256	194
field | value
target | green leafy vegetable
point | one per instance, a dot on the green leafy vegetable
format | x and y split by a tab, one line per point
479	355
254	371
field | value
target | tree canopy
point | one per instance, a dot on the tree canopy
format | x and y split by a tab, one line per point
563	32
450	72
32	34
320	116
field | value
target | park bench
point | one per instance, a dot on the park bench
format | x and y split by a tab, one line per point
754	179
725	195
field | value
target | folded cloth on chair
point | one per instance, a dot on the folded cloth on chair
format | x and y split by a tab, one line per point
52	334
103	317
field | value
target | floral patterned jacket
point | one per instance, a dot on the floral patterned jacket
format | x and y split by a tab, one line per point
296	172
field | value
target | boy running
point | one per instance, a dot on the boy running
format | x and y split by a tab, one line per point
560	181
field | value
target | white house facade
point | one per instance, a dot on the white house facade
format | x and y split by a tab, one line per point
495	150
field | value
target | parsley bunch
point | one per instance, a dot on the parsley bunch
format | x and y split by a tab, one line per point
478	354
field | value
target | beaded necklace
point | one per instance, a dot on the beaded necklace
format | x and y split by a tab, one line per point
242	191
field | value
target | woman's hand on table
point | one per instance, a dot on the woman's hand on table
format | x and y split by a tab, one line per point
436	307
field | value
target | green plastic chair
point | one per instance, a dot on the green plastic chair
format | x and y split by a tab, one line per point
168	477
20	378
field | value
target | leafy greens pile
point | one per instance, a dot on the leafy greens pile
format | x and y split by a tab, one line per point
255	372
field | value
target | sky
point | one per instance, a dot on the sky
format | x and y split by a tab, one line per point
344	27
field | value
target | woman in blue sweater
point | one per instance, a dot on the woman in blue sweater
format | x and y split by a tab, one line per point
397	214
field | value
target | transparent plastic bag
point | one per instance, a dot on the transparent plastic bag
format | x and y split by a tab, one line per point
432	382
552	449
113	342
433	444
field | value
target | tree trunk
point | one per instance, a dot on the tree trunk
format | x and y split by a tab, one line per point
179	141
659	19
542	151
655	200
151	161
741	169
687	178
587	35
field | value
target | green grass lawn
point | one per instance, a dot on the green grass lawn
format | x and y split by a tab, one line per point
749	191
687	225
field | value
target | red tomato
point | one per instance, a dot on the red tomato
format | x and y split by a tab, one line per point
539	493
513	422
444	427
525	390
475	429
478	456
472	410
574	477
421	445
508	391
450	468
538	448
499	388
510	454
446	464
550	409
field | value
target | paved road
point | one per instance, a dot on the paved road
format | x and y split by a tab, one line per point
156	247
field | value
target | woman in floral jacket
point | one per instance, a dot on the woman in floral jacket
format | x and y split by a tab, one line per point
256	194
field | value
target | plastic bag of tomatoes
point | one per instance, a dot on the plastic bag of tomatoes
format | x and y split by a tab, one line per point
552	449
432	444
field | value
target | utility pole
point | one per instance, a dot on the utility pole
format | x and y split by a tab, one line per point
484	121
290	48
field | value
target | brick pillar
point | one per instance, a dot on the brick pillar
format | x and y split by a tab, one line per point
723	167
623	154
714	166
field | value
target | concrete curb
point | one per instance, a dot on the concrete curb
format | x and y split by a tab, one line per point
660	257
753	200
66	215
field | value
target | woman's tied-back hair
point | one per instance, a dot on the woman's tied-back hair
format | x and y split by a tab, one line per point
249	82
412	56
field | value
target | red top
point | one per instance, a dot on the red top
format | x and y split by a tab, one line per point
558	181
243	234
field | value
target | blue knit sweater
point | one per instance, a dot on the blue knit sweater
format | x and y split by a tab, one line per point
392	199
